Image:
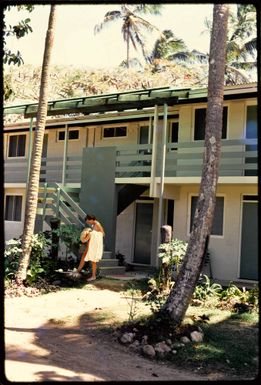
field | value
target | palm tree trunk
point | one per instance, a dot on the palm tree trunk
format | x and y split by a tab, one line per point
33	184
181	294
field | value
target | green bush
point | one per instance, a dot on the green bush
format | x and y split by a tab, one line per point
239	300
40	262
70	235
171	255
207	289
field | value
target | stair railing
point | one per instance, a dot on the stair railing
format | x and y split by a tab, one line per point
62	205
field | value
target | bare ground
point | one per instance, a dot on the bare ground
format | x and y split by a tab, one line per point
64	336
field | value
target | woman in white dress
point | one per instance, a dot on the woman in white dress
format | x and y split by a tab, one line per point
94	249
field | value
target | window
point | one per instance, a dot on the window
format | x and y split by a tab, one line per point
199	126
217	226
72	135
13	208
251	133
16	145
111	132
173	132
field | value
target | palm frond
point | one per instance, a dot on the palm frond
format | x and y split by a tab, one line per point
251	46
152	9
108	18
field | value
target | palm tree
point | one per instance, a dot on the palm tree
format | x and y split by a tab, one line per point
241	43
133	26
181	294
167	44
172	49
33	184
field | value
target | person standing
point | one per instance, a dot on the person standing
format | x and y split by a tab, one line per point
92	221
94	245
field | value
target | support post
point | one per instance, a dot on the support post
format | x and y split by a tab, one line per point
58	191
44	203
162	176
65	149
154	152
30	149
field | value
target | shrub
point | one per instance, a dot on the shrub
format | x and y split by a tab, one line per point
239	300
70	235
206	290
40	263
171	255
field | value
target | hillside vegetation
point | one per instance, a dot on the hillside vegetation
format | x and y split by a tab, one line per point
70	82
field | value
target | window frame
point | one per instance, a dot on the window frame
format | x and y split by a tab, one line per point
204	106
249	103
169	133
5	201
70	129
224	211
114	127
8	146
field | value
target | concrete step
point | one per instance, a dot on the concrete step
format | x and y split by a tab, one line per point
108	262
116	270
107	255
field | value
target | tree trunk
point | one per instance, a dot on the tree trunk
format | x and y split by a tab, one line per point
181	294
35	166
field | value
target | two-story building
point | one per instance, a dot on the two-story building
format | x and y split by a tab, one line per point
134	159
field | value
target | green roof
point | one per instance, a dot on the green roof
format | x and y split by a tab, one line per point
135	99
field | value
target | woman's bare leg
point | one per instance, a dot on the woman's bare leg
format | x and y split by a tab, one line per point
94	269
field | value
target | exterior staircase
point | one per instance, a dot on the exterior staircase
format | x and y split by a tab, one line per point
62	202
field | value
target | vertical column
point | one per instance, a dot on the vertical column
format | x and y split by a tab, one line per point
162	175
154	152
65	149
30	149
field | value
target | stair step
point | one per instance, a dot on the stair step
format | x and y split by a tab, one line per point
116	270
112	262
107	255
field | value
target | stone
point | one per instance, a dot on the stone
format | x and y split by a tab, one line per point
169	342
144	340
148	350
196	336
127	338
135	345
177	345
161	349
185	340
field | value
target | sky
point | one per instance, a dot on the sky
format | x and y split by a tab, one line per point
76	44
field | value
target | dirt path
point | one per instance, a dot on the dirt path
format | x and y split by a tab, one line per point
58	337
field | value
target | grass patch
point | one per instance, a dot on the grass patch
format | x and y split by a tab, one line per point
230	343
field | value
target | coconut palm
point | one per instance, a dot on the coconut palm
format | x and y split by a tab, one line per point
33	183
166	45
241	43
134	26
181	293
170	48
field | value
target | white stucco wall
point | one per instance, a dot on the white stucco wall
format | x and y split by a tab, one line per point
225	249
125	232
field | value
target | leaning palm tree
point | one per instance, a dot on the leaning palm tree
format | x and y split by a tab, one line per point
33	184
133	27
181	294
